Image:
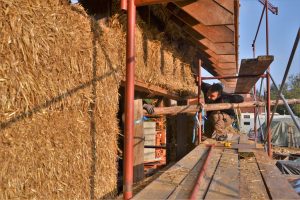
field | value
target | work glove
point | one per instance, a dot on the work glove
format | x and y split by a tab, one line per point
149	108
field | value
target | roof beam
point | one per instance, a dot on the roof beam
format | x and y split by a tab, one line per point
228	5
208	12
150	2
215	33
152	89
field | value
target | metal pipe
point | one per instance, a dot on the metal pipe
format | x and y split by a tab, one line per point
232	77
123	4
267	29
129	101
255	113
286	106
173	110
287	70
268	84
258	28
199	102
196	187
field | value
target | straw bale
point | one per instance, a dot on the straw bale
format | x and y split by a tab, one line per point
60	73
155	61
58	106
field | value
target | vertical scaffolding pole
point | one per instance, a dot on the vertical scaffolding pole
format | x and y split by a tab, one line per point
129	101
255	114
268	85
199	102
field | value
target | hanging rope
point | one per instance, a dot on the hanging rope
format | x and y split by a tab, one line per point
197	124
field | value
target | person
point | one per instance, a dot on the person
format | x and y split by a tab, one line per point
219	122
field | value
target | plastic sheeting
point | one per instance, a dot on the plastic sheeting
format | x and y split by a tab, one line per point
284	132
289	167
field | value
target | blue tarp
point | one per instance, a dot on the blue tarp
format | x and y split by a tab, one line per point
281	129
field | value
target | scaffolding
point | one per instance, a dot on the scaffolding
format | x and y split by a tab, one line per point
130	6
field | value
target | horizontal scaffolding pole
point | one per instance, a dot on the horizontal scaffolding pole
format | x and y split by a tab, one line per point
173	110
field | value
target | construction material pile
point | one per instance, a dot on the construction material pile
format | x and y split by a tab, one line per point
60	72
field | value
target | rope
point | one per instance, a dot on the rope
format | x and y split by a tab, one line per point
138	121
197	124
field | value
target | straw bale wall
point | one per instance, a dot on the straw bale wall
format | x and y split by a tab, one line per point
60	72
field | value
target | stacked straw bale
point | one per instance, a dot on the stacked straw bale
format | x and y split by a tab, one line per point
60	72
58	108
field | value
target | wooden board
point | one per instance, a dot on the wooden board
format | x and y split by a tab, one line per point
225	183
207	12
181	136
276	183
255	66
153	89
251	182
163	186
138	149
183	191
150	139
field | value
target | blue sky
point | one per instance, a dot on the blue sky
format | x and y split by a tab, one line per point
282	33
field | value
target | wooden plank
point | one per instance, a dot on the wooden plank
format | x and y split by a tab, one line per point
207	12
150	139
277	185
183	191
154	90
181	137
164	185
150	2
226	58
217	38
244	139
225	183
255	66
215	33
227	4
138	148
251	182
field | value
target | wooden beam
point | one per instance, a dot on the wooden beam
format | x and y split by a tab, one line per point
227	4
215	33
150	2
225	183
277	185
207	12
254	66
224	48
227	58
184	190
164	185
251	182
155	90
236	32
226	66
138	147
218	106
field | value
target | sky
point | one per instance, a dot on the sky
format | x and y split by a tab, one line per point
282	33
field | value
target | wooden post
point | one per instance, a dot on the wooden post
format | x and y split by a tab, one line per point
173	110
138	149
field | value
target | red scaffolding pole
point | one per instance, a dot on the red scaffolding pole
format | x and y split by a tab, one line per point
129	101
268	85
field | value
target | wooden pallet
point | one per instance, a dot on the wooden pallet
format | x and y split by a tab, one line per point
228	176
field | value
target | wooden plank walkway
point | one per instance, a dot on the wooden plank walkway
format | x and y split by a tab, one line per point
256	66
228	176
